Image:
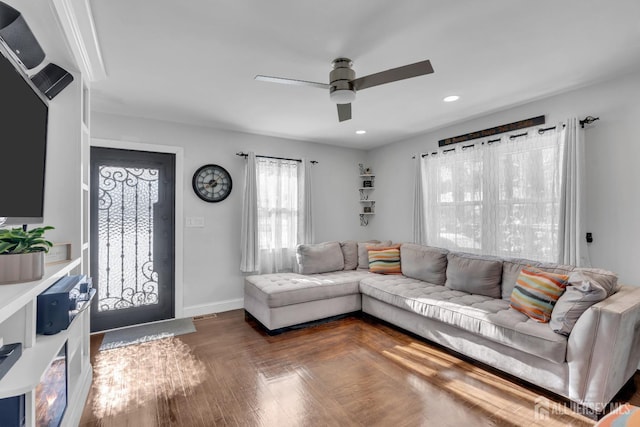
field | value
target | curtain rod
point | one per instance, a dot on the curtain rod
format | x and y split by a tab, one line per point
241	154
587	120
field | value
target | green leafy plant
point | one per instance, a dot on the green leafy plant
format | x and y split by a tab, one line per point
18	241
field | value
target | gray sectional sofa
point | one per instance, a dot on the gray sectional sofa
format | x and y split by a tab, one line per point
588	351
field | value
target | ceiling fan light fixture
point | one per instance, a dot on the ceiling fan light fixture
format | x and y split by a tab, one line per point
342	96
343	83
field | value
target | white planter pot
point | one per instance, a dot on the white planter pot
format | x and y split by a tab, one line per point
17	268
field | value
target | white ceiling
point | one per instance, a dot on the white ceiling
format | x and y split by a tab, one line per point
194	61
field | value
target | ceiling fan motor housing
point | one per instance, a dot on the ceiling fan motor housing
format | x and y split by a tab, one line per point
340	79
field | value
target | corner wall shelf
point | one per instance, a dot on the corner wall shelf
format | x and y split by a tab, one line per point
367	181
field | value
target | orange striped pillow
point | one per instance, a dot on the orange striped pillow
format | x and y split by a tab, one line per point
385	260
536	292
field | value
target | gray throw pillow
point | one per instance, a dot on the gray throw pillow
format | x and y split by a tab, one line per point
424	263
605	278
475	274
350	254
363	251
587	286
319	258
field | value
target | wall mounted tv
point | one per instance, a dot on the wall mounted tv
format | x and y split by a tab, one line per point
23	146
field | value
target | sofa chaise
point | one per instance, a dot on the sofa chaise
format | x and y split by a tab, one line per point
586	352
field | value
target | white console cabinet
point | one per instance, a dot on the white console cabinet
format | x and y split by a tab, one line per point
18	304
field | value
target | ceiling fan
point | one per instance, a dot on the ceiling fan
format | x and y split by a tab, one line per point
343	83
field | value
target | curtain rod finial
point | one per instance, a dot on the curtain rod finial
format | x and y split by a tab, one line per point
588	120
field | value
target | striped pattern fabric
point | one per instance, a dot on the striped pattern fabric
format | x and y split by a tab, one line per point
536	292
385	260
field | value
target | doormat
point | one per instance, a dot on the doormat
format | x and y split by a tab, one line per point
148	332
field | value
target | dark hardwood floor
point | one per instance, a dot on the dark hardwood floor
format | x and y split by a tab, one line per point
350	372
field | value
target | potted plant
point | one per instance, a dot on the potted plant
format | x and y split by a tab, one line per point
22	254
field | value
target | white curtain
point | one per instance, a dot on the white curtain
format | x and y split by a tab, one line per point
277	213
250	260
500	198
572	246
418	203
305	220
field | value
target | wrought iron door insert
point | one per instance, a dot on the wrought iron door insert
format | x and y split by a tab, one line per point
132	219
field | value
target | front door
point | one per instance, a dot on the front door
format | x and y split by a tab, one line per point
132	237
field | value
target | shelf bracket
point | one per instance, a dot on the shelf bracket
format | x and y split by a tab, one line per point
364	221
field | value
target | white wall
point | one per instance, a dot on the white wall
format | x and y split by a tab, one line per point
212	278
613	151
62	201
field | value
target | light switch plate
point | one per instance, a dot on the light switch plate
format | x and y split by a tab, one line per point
194	222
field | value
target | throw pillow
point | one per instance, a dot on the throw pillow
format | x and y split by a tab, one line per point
350	254
363	252
512	267
607	279
385	260
586	288
424	263
319	258
536	292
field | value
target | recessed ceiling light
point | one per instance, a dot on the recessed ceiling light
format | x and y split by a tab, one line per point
361	132
451	98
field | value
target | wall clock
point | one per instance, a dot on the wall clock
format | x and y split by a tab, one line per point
212	183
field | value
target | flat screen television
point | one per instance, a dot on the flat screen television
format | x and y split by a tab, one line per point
23	146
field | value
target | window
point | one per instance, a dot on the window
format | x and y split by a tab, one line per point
277	203
498	199
276	213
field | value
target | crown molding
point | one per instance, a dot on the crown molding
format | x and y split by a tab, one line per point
76	19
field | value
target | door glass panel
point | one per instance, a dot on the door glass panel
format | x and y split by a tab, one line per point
125	217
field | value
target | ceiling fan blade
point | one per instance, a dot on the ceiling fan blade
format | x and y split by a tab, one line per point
291	81
344	112
393	75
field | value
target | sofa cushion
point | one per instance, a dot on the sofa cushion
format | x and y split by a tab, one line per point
511	268
319	258
487	317
536	292
350	254
385	260
363	251
587	286
424	263
475	274
281	289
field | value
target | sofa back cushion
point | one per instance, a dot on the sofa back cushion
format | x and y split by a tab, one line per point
385	260
363	251
511	268
319	258
587	286
475	274
424	263
350	254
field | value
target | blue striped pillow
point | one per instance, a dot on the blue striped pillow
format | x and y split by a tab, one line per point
536	292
